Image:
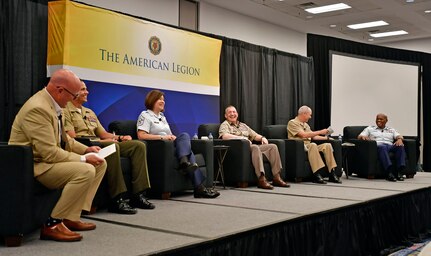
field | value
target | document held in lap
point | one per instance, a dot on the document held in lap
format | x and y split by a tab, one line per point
104	152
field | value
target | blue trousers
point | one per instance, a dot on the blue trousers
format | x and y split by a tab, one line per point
400	156
184	148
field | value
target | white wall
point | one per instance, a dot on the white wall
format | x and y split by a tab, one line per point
221	21
165	11
214	20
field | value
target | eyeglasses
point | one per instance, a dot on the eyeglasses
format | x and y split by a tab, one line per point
75	96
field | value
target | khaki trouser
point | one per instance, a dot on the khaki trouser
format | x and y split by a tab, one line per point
137	152
315	159
79	182
271	152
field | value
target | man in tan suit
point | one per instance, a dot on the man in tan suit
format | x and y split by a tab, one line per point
59	161
298	129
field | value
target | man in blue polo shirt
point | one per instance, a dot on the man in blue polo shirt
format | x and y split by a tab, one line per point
388	140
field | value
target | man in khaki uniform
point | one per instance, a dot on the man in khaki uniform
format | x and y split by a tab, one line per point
59	161
298	129
231	128
81	121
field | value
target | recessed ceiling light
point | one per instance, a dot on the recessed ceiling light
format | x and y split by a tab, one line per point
368	24
389	33
410	1
333	26
370	39
427	11
328	8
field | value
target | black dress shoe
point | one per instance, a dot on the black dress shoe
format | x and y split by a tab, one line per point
212	190
318	179
399	177
205	193
391	177
187	167
121	206
334	178
140	201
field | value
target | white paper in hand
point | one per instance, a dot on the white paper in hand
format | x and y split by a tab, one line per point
104	152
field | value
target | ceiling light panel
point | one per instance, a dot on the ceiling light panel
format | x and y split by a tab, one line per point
371	24
328	8
389	33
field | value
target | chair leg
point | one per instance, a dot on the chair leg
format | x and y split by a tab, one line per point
298	180
166	195
13	241
242	184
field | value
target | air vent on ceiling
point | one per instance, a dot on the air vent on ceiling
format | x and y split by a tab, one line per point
307	5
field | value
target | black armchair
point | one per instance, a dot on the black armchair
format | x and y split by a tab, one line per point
239	170
24	202
297	164
162	163
363	158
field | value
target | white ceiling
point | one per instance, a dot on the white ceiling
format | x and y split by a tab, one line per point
290	14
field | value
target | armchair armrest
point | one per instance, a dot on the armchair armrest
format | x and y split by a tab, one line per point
89	140
161	165
204	147
16	187
160	150
295	158
365	156
411	147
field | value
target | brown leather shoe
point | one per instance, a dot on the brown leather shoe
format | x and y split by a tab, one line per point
279	182
59	233
263	183
78	225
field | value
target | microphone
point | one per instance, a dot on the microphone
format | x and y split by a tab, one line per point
330	131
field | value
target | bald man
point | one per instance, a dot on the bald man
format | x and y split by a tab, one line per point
388	140
298	129
60	162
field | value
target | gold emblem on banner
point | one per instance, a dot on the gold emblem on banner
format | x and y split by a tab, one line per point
155	45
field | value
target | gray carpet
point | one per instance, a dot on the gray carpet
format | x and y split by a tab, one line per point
184	220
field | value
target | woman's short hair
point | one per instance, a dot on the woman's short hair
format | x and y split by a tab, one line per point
152	97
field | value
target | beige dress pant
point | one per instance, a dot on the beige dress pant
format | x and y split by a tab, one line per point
79	182
315	159
271	152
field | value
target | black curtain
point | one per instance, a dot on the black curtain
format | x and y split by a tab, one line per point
23	37
319	47
265	85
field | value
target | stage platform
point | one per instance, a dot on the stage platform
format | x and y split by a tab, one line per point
356	217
